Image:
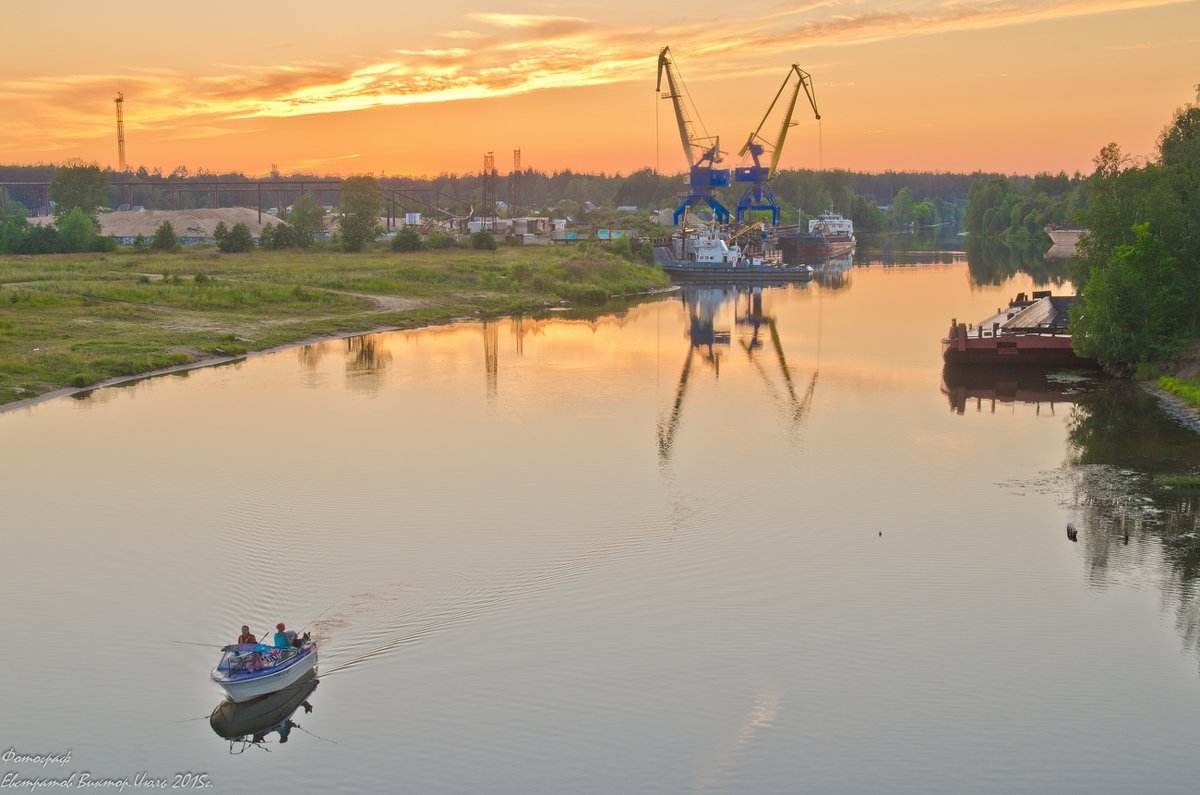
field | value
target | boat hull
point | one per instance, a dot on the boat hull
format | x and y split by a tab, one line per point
1031	349
244	688
719	274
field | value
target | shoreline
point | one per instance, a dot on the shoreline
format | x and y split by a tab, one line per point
200	364
1175	407
219	361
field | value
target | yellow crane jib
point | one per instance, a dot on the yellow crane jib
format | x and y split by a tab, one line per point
702	153
759	195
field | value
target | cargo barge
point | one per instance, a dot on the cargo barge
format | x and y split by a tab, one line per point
1030	331
829	235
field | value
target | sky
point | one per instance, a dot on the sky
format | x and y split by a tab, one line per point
395	88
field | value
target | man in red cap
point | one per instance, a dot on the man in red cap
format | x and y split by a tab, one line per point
281	638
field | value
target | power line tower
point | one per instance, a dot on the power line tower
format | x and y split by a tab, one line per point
489	192
120	100
514	187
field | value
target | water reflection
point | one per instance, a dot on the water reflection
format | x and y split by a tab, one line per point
710	338
834	273
253	722
940	245
366	359
993	262
1132	466
1132	474
982	389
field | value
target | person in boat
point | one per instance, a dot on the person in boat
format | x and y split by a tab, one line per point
281	640
246	636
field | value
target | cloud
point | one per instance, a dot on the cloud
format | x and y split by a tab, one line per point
503	55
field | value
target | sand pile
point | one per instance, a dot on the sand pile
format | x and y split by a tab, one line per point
187	223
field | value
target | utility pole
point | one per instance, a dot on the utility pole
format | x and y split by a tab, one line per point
489	192
514	190
120	100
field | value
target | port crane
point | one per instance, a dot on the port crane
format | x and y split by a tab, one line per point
758	195
702	153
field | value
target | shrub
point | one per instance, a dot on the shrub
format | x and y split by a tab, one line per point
235	240
438	239
282	236
165	238
76	231
406	239
484	241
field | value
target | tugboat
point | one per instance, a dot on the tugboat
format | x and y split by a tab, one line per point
703	254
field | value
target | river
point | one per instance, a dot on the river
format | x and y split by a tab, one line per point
729	540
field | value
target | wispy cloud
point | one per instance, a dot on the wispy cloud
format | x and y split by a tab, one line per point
496	55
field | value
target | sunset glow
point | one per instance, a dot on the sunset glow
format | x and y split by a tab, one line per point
961	85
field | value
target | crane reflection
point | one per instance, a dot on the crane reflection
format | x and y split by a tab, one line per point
708	344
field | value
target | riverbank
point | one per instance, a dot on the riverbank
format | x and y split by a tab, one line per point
72	322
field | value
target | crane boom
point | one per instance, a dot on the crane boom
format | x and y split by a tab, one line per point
805	82
701	153
675	94
759	195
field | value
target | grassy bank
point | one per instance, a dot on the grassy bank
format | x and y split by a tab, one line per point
1186	388
77	319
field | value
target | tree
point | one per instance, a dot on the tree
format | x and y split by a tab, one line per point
165	238
307	219
76	232
362	204
77	185
12	233
1135	305
901	210
233	241
406	239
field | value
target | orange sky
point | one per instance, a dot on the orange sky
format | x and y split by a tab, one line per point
376	86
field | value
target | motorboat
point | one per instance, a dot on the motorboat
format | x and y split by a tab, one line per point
250	670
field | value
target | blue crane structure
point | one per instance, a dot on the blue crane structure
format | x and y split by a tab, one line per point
702	153
759	195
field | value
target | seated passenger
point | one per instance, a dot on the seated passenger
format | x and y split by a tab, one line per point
246	636
281	640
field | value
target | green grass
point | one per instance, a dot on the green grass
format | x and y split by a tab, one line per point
1186	388
1177	481
75	320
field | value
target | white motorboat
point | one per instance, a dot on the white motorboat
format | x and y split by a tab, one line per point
250	670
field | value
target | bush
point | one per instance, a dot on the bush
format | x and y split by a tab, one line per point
76	231
406	239
484	241
235	240
165	238
438	239
139	244
282	236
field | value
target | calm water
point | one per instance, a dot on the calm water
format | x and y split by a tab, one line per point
722	542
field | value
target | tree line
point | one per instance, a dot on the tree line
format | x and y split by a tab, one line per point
910	198
1138	265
